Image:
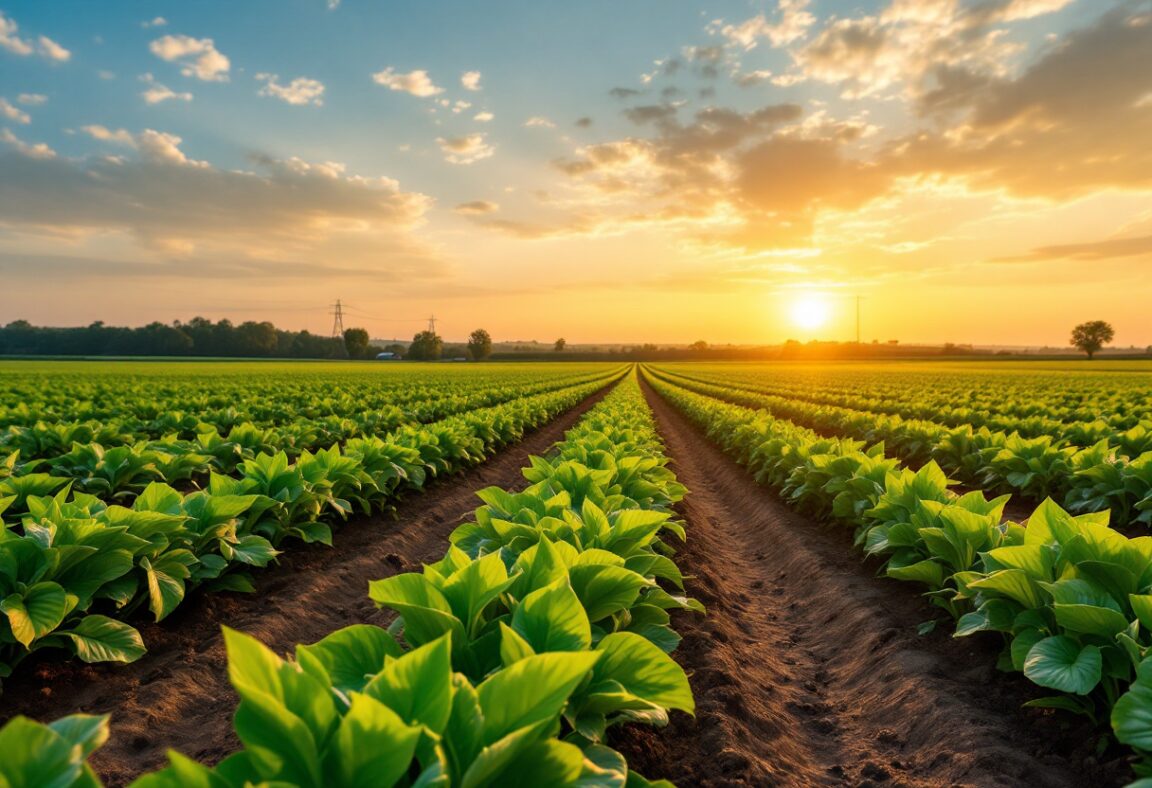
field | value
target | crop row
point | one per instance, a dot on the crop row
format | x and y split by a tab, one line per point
1098	478
114	468
920	406
1023	398
158	399
510	659
296	423
75	569
1071	597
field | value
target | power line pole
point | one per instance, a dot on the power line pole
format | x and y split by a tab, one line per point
432	324
338	320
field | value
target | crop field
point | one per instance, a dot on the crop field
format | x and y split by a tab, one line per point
593	574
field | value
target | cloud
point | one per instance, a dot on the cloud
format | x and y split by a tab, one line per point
417	82
477	208
623	93
468	149
299	92
584	122
1093	250
483	117
794	22
53	51
539	122
44	46
156	147
470	80
37	150
286	210
158	21
198	57
32	99
156	93
13	113
909	41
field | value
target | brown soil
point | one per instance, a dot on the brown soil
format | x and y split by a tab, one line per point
808	670
178	695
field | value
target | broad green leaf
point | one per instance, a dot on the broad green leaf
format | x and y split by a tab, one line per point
373	746
102	639
552	619
349	657
531	690
644	670
36	612
1061	663
35	756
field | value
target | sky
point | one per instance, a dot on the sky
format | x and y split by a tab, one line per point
606	170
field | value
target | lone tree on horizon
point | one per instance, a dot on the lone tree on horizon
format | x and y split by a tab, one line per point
560	344
480	344
1092	336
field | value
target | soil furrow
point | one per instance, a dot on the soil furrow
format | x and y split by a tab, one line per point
178	695
808	669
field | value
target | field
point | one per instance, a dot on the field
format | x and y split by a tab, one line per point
912	573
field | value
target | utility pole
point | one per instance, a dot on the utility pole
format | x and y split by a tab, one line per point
338	320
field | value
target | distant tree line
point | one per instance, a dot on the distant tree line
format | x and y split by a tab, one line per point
197	337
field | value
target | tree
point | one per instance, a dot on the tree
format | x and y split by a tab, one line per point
426	346
1092	336
698	345
480	344
561	343
356	342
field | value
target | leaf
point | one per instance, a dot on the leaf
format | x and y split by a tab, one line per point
552	619
35	756
644	670
1059	662
182	772
373	746
418	685
102	639
535	688
36	612
254	550
349	657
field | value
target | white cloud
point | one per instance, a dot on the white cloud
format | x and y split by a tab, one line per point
299	92
32	99
470	80
10	41
333	5
106	75
417	82
12	112
37	150
460	106
155	22
53	51
793	25
539	122
46	47
155	147
198	57
468	149
483	117
156	92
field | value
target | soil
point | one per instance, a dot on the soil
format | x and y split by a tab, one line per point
178	695
808	669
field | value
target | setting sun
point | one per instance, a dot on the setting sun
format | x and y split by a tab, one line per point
811	312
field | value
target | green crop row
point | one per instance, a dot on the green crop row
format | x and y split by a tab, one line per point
510	659
1028	398
1085	480
74	570
1071	597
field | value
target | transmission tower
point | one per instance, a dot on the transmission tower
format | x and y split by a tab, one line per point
337	320
432	324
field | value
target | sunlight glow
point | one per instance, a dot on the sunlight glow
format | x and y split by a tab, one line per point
811	312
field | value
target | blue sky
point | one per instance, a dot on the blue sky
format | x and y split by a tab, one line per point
690	168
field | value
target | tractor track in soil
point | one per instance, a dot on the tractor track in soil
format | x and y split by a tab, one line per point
808	669
178	695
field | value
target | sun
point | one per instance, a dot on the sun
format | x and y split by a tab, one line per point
811	312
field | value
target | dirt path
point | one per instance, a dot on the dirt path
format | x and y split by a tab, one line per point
178	694
808	669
